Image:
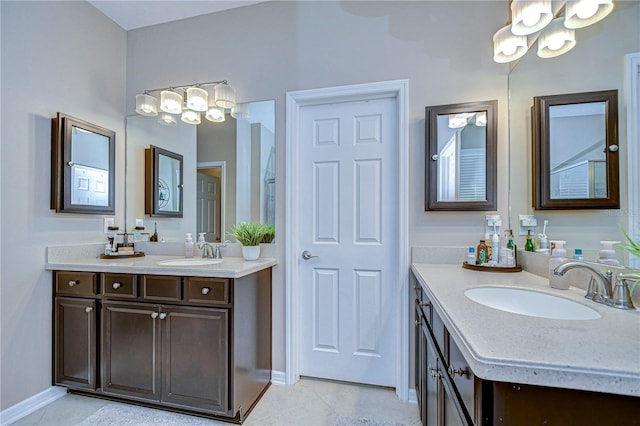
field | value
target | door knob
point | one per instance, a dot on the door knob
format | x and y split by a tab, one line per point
306	255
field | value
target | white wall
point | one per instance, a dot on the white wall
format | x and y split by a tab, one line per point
56	56
444	48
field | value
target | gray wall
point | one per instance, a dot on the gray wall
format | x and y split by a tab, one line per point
444	48
56	56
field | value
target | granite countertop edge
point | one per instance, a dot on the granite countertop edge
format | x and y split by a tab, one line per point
600	355
231	267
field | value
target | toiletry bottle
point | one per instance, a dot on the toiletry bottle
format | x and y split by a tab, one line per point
544	244
513	250
487	242
471	257
481	253
188	246
528	246
577	255
495	247
154	236
558	257
608	254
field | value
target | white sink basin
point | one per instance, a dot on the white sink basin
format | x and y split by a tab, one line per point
531	303
189	262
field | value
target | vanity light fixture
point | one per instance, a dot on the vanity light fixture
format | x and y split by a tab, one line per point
556	39
188	101
190	116
171	101
536	18
582	13
240	112
481	119
507	46
167	119
530	16
215	114
146	105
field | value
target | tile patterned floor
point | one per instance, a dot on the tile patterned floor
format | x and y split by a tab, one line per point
308	402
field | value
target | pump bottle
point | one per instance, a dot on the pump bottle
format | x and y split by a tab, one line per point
188	246
558	257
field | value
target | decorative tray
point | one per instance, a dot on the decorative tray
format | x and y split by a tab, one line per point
496	268
122	256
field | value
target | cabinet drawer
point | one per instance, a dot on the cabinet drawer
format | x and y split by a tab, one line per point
159	287
212	291
120	285
76	283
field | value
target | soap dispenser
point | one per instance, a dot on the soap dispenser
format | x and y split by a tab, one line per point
188	246
608	254
558	257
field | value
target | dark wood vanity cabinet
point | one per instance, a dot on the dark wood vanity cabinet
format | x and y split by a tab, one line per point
449	394
193	344
439	400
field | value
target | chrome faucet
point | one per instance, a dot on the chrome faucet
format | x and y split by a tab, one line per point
599	288
209	251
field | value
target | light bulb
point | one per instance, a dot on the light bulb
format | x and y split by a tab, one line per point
586	9
530	18
509	48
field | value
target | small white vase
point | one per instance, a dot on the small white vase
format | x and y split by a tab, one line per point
250	252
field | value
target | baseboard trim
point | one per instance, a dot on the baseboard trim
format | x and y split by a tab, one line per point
413	397
278	378
31	404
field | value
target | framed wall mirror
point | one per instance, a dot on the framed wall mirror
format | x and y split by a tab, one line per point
461	156
82	167
163	182
575	151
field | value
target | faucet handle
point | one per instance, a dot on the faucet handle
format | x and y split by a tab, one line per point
621	297
592	290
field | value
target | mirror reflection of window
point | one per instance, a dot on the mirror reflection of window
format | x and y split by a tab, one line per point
577	152
462	151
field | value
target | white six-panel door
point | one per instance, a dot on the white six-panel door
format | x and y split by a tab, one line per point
348	207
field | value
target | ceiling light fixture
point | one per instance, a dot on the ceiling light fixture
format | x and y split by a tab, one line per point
556	39
507	46
582	13
530	16
536	18
240	112
188	101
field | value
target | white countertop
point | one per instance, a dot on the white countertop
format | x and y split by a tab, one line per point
231	267
601	355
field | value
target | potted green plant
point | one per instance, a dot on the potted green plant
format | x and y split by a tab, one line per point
633	247
250	235
270	234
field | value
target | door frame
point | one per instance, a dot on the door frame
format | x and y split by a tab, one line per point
632	71
222	165
295	101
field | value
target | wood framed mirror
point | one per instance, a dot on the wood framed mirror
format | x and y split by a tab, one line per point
461	156
82	167
575	151
163	182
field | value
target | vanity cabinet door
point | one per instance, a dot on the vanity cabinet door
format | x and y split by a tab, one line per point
432	384
75	342
131	350
195	358
462	376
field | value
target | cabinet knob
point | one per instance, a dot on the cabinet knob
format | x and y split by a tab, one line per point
453	371
206	290
418	322
433	371
117	285
163	315
73	283
88	309
154	315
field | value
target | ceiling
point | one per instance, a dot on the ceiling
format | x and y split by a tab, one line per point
132	14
